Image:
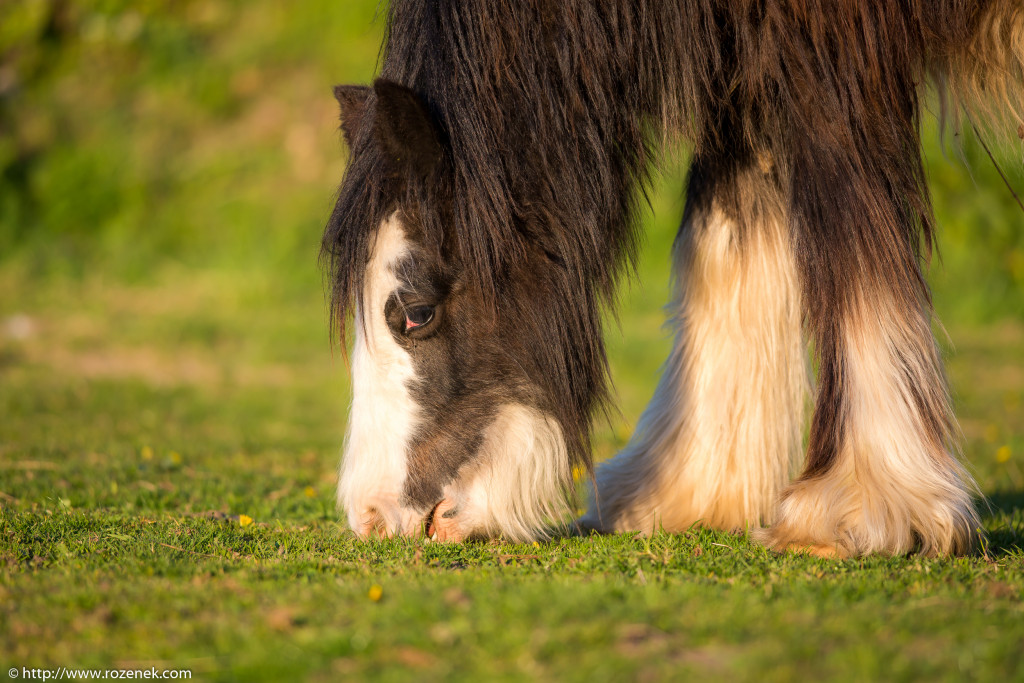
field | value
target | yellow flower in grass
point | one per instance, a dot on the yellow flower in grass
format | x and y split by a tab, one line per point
309	492
244	520
1003	454
376	591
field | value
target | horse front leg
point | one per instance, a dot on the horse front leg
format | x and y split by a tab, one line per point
722	434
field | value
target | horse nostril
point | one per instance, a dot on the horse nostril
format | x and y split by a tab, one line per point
444	526
428	521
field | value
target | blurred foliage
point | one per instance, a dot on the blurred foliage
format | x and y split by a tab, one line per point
140	131
978	275
203	132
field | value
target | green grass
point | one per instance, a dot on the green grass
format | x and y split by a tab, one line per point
165	374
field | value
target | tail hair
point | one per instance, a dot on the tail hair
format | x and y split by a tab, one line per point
977	58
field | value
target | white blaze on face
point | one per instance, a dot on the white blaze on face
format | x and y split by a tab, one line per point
383	414
515	483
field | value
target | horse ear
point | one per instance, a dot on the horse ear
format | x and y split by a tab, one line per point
406	128
352	99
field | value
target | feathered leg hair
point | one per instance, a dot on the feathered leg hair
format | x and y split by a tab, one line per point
837	237
881	472
721	436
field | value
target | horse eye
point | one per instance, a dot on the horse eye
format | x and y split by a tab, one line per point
418	316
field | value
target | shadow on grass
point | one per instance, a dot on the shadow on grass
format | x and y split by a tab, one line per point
1005	520
1006	501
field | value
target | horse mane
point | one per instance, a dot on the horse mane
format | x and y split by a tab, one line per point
552	111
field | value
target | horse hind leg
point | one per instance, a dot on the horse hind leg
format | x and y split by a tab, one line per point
722	434
880	477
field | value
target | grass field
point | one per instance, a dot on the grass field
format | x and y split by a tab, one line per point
171	410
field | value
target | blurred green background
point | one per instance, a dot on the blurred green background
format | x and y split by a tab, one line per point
136	135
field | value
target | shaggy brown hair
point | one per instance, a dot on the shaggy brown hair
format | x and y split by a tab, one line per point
547	113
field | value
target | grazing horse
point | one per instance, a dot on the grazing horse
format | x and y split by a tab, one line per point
489	210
